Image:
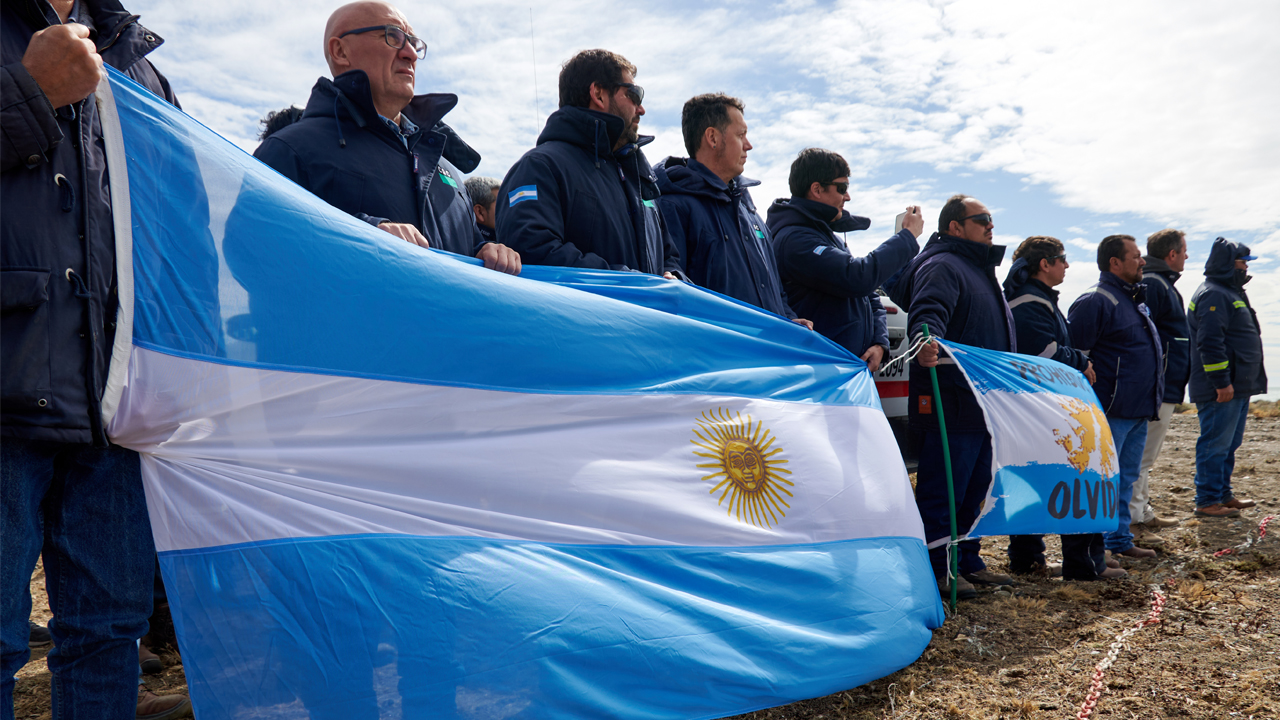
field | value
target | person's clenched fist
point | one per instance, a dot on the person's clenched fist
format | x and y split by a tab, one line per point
64	63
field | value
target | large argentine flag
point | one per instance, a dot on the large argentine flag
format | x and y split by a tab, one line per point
1054	464
385	482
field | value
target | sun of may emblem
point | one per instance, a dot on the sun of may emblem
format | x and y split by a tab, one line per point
745	465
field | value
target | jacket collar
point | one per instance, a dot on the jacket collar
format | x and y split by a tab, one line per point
686	176
349	94
1156	265
984	256
1136	291
591	130
820	214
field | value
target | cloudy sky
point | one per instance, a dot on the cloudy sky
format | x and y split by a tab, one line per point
1076	121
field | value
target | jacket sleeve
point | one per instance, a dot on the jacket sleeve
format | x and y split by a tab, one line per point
937	290
1036	326
672	255
1213	316
881	334
676	245
282	158
803	257
1086	321
533	225
28	126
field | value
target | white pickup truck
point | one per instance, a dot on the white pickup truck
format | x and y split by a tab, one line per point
891	382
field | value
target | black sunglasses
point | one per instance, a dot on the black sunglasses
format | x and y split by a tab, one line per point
395	37
634	91
1056	258
841	187
981	218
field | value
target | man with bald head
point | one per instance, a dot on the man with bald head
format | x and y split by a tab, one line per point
370	147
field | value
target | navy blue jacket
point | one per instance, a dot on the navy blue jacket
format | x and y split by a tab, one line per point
824	282
1226	347
951	286
1169	314
572	201
1111	323
57	245
1041	328
345	154
722	243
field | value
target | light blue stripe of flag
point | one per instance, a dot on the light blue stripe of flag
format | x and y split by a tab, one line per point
520	194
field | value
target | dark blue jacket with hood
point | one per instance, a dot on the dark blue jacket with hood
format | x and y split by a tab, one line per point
1226	342
1170	316
1110	321
344	153
722	243
951	286
572	201
57	244
1041	328
824	282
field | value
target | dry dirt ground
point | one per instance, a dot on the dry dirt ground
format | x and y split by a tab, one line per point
1214	655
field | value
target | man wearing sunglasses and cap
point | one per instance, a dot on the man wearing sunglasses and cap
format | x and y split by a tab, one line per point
363	131
586	196
951	286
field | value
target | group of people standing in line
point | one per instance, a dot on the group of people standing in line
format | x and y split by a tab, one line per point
586	197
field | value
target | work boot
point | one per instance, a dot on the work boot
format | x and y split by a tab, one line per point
162	707
1217	510
38	636
1137	552
1143	536
1112	574
987	577
1238	504
964	589
1158	522
1112	562
149	661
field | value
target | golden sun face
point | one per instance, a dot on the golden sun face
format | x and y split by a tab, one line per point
747	470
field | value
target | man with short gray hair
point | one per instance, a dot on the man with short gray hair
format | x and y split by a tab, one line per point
483	192
363	131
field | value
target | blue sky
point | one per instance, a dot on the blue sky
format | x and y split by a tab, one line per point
1073	121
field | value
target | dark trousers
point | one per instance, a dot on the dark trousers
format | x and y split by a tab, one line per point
971	470
1083	556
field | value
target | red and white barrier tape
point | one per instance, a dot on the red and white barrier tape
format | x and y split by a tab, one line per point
1262	532
1096	687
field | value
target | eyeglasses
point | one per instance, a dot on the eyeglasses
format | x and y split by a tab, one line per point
395	37
634	91
981	219
841	187
1056	258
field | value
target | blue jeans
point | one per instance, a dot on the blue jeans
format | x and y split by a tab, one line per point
84	509
1130	436
971	465
1221	432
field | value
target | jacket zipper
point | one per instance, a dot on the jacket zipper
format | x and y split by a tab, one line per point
1116	388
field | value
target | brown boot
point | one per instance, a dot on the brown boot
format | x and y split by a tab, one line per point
1158	522
162	707
149	661
1137	552
1144	537
1238	504
1217	510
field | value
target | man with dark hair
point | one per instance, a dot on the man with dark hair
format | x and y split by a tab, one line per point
1166	257
1226	368
586	196
483	192
722	243
67	494
1110	322
368	146
1040	265
951	286
278	119
822	279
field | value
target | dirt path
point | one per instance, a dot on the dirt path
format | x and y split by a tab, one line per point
1031	655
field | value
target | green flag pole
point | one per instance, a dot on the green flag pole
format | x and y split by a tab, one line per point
953	558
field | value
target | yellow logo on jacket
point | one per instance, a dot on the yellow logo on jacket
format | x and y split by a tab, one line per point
744	457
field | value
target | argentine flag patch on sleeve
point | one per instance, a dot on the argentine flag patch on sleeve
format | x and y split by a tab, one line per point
520	194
